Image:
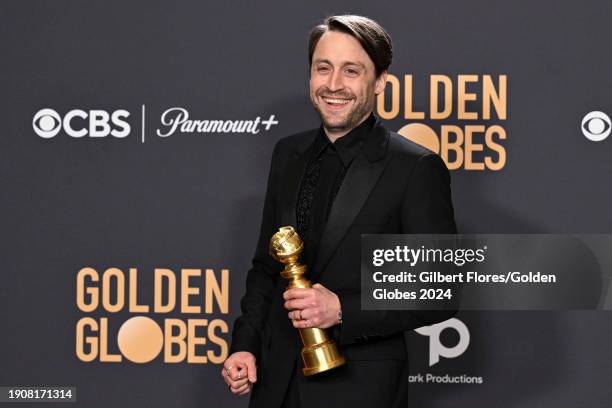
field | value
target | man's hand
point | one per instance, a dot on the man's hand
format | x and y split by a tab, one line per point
312	307
239	372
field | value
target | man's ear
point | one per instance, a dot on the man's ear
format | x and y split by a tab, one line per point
381	81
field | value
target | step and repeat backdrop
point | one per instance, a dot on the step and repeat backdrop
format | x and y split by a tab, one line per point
134	150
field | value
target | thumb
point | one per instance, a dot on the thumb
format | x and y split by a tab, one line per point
251	370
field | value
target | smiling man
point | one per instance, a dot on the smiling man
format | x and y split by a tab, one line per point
351	176
343	81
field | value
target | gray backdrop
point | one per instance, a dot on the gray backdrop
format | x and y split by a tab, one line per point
194	200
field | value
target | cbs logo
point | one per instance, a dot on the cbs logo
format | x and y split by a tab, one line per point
78	123
436	348
596	126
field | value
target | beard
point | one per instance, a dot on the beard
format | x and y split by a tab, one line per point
344	121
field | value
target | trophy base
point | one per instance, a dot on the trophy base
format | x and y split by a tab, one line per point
321	357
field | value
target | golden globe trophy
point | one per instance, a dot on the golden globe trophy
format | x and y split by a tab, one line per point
320	352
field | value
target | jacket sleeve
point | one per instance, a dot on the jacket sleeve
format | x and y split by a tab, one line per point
261	278
426	209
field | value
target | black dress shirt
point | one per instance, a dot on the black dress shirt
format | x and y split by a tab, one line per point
322	179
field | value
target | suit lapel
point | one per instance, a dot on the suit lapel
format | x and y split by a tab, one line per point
291	176
360	179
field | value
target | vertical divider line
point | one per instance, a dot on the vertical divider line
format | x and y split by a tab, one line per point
143	124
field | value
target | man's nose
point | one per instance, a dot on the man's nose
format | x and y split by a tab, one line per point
335	81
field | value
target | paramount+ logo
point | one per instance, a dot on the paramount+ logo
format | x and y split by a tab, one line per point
463	119
78	123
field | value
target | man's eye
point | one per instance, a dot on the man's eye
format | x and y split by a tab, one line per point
322	69
352	72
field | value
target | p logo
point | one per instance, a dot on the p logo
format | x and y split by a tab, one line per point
436	348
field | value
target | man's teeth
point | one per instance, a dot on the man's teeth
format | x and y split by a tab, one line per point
337	101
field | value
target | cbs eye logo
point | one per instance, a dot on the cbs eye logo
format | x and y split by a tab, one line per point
596	126
47	123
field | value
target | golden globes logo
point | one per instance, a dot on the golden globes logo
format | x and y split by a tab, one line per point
172	328
470	110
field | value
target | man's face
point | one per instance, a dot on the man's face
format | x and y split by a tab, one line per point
343	82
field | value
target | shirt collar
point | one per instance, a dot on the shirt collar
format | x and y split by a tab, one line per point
348	145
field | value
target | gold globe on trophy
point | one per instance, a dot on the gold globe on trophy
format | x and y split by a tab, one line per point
320	353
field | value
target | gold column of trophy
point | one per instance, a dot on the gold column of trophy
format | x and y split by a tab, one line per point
320	352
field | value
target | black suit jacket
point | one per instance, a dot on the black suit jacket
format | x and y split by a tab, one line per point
392	186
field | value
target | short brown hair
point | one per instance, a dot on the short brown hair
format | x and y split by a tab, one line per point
372	37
